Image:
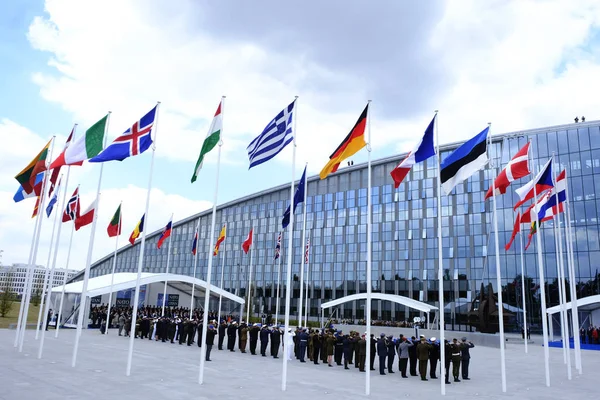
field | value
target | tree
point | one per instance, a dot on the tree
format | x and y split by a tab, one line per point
6	295
36	297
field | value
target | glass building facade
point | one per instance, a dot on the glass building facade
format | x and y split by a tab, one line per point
405	250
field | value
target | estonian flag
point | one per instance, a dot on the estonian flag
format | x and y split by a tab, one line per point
464	161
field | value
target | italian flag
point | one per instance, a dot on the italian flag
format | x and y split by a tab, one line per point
114	227
212	138
84	147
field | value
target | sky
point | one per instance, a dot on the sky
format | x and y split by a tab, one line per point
517	64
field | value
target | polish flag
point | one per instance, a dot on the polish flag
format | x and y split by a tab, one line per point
517	167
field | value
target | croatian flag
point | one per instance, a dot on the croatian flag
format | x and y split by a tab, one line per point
132	142
424	150
542	182
165	234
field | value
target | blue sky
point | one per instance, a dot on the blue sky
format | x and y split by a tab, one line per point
66	62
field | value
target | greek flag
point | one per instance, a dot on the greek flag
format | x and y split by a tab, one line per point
278	134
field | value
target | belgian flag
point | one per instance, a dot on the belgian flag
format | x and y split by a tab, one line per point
353	142
27	176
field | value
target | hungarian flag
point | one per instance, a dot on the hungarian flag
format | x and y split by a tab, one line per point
211	140
516	229
87	217
195	242
28	175
114	227
84	147
220	240
247	243
165	233
72	207
137	231
517	168
352	143
542	182
424	150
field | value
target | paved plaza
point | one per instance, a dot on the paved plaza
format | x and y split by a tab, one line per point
170	371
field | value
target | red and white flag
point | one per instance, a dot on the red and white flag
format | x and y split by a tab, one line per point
247	243
516	229
87	217
517	167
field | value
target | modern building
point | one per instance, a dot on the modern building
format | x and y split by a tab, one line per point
14	277
405	249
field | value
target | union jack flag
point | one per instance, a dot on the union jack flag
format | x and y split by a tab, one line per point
72	209
306	251
278	247
132	142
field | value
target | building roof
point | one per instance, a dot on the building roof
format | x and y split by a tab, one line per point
588	303
405	301
126	280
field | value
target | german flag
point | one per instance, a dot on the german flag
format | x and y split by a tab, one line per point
349	146
27	176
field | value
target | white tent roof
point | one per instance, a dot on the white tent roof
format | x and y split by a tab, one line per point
585	303
417	305
126	280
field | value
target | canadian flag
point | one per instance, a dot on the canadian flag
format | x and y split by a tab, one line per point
516	168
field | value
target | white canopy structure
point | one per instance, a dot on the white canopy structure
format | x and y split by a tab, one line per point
588	303
126	280
405	301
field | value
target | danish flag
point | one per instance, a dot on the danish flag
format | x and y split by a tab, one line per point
517	167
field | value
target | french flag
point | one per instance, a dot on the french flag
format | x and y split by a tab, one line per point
542	182
423	151
165	234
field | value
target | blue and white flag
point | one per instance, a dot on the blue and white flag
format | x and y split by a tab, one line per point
54	199
298	198
277	134
469	158
133	141
22	195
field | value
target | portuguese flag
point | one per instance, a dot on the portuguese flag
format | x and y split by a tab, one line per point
114	227
211	140
84	147
353	142
27	176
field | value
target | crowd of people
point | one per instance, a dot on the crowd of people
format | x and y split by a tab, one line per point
589	335
331	347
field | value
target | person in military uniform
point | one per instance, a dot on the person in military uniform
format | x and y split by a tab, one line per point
403	348
309	347
275	341
302	344
362	353
330	346
264	340
382	353
412	357
339	348
447	359
211	332
243	336
423	349
182	330
347	350
456	348
465	357
253	338
434	356
391	353
231	336
324	346
316	346
222	331
373	344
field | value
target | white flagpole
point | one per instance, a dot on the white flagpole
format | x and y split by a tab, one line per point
222	275
142	247
59	207
498	275
35	250
542	280
250	275
302	258
47	269
306	260
162	314
524	304
440	259
195	266
83	314
278	280
112	274
560	292
573	287
369	261
563	300
290	249
210	259
62	294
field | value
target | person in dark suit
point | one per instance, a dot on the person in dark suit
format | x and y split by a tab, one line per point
412	356
465	357
391	353
434	356
382	353
211	332
222	330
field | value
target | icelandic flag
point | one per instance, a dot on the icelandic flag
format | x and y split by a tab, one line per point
276	135
53	200
132	142
21	195
551	206
165	234
298	198
195	242
469	158
542	182
424	150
